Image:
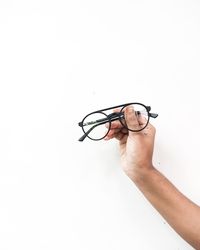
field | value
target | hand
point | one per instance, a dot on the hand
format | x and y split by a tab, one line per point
136	148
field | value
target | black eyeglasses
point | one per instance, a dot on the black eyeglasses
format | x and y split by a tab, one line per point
93	124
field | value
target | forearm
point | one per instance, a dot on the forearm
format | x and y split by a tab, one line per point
181	213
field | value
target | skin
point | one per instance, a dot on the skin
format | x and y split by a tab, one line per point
136	152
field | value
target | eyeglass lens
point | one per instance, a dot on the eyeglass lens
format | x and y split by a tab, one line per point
95	125
138	120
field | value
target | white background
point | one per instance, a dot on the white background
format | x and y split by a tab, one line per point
60	60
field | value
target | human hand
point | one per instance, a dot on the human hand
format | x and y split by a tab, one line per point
136	148
136	151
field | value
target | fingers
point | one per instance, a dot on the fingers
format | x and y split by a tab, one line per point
131	119
150	129
119	135
119	129
141	120
113	132
114	125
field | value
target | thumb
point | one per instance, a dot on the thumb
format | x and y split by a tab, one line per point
131	120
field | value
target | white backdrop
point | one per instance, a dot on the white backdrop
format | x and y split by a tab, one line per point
60	60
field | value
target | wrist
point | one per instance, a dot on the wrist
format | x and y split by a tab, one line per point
141	174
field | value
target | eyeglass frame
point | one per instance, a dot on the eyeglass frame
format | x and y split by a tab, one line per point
116	116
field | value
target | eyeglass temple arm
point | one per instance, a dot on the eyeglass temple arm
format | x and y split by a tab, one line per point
82	138
153	115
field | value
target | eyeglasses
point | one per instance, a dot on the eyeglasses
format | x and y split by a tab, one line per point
93	124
